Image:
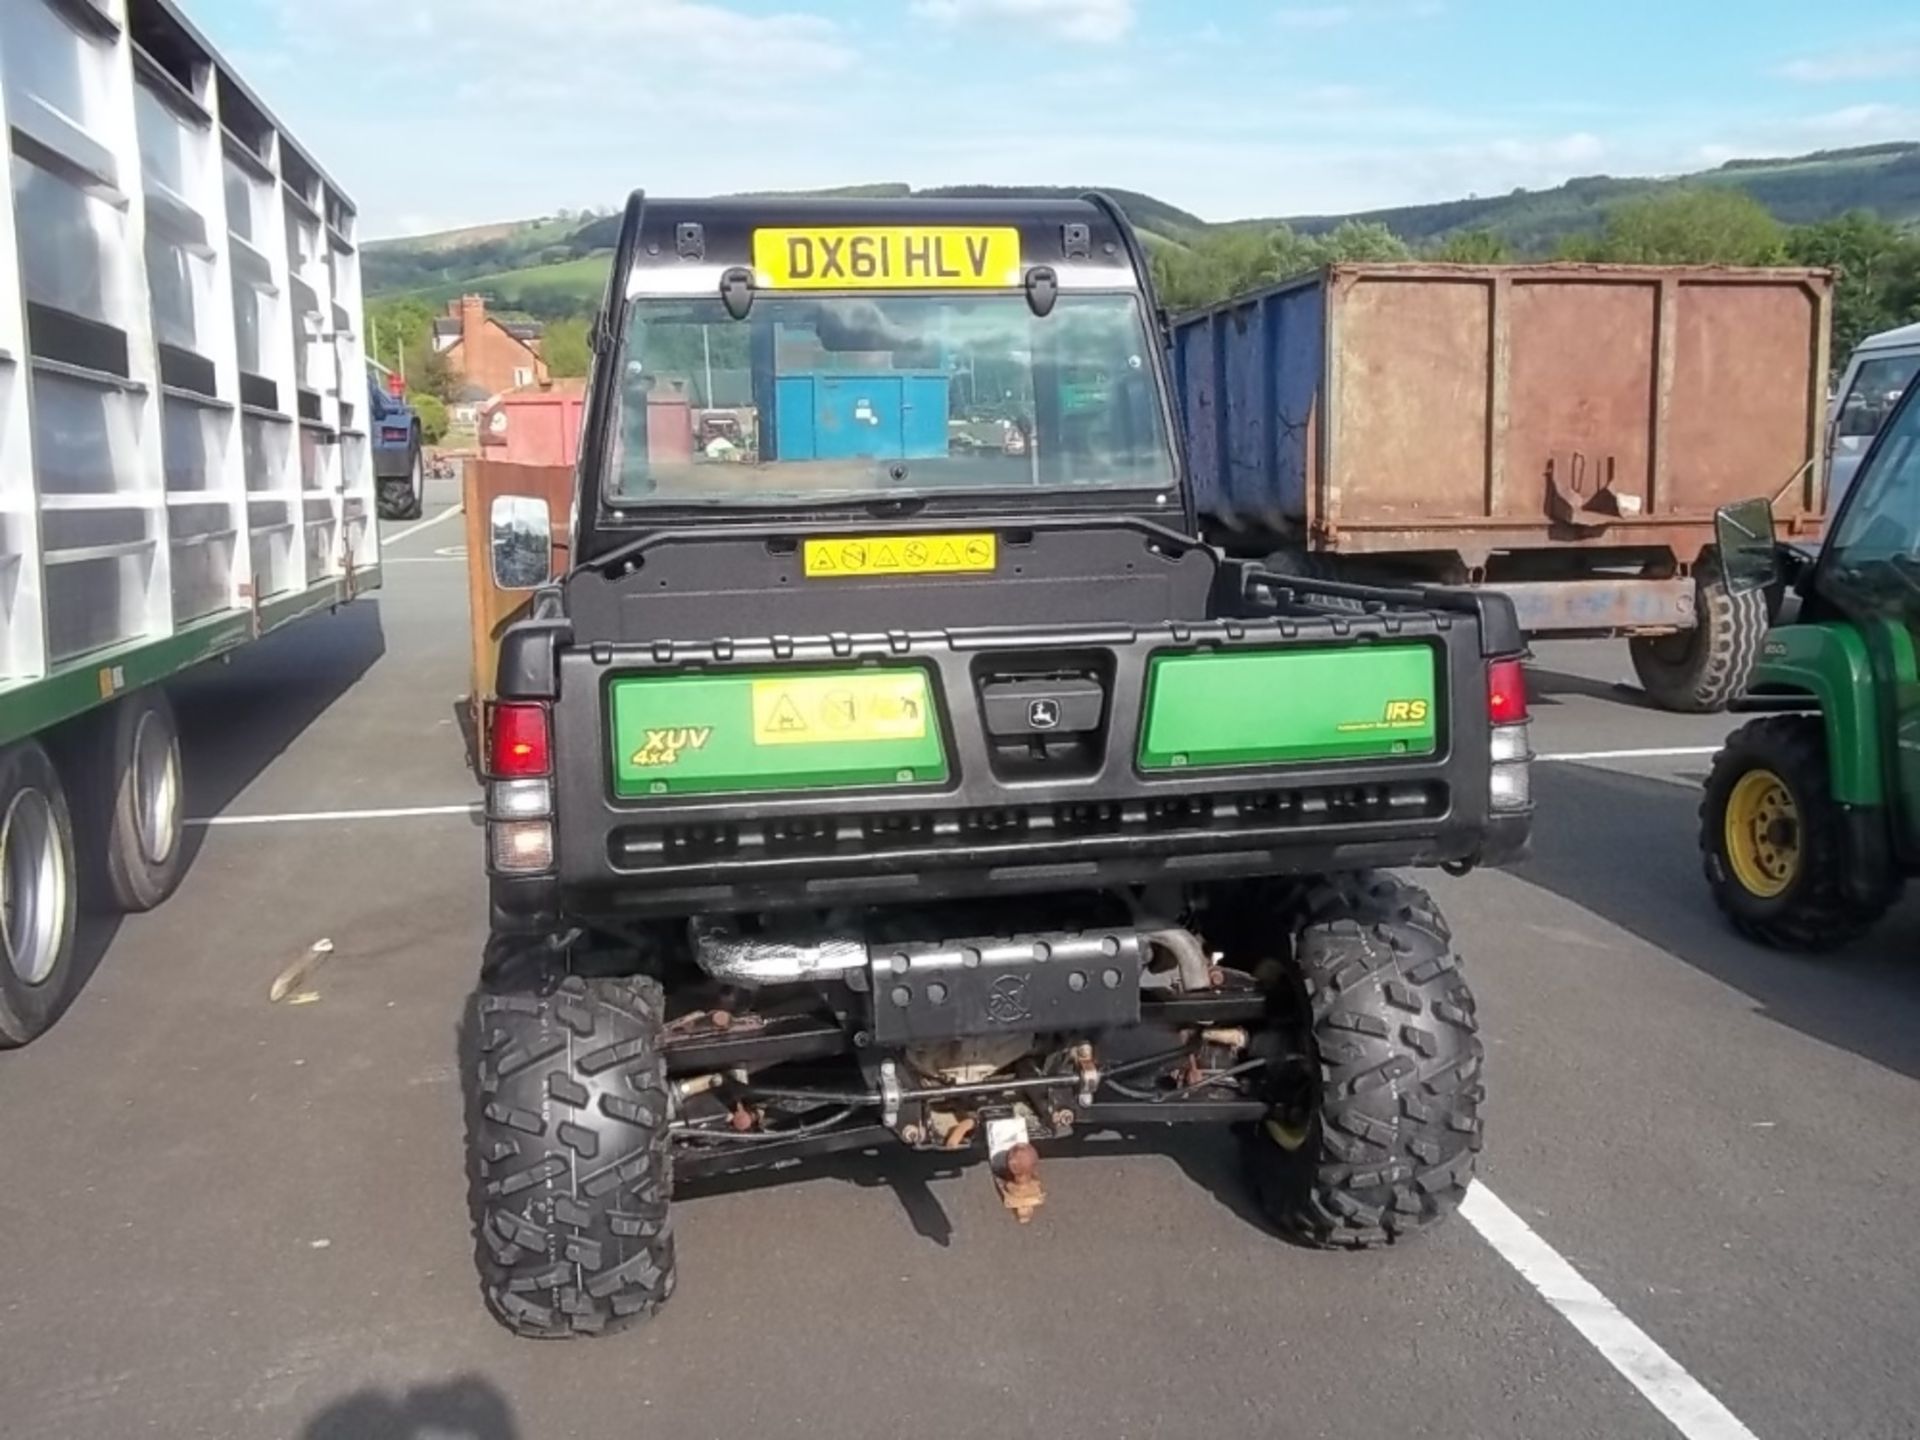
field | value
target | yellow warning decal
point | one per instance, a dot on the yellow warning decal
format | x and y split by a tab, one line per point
859	556
839	709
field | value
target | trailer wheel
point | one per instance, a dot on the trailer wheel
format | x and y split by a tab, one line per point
1701	670
1380	1139
1771	841
570	1168
124	767
37	911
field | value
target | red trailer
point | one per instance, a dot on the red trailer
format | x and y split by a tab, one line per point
542	426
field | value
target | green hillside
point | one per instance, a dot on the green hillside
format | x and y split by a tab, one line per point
546	291
1798	191
556	266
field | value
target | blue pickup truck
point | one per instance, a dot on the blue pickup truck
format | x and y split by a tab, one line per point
398	472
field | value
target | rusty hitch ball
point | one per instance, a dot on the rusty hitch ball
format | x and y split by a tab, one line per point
1019	1182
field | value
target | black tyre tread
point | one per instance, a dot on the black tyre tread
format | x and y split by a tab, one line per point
1393	1146
571	1171
1308	564
114	875
1818	912
27	1011
1704	670
404	499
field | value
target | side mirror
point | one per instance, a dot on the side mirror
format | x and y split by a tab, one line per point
1748	557
522	542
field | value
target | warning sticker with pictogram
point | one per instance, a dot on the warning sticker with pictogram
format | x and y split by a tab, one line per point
840	709
785	719
868	555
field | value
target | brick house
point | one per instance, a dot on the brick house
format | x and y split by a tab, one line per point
492	355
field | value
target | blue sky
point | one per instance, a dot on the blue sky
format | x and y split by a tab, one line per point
477	110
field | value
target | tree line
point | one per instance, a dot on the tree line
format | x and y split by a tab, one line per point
1877	263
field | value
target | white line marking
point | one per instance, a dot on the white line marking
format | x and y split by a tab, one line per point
307	817
416	529
1672	753
1688	1404
422	559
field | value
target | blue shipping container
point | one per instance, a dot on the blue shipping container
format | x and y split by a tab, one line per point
866	415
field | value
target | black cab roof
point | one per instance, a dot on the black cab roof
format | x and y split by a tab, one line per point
680	246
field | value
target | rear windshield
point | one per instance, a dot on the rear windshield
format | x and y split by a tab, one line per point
814	399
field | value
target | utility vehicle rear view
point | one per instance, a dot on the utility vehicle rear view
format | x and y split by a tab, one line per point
896	762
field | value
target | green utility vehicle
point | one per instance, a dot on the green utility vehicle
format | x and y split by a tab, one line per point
864	782
1811	821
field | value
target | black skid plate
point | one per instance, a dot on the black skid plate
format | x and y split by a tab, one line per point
1022	985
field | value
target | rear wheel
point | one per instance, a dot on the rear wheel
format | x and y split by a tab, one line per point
404	499
1773	843
1380	1139
37	910
124	762
1701	670
570	1168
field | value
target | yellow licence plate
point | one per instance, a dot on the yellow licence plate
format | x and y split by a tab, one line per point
888	257
872	555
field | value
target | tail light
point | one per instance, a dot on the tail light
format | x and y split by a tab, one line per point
520	789
520	747
1507	692
395	434
1510	783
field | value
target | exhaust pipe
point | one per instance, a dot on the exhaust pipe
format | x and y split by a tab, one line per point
729	956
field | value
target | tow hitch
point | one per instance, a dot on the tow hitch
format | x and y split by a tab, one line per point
1015	1165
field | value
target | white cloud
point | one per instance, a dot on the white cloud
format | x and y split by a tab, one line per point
1100	22
1866	122
1314	17
1332	17
643	37
1874	64
513	107
1337	95
1557	151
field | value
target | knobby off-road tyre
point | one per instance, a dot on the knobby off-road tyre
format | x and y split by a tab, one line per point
1700	671
37	970
404	499
1772	775
570	1166
1386	1142
124	773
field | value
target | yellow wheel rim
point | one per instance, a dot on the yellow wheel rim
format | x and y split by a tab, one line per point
1287	1134
1763	834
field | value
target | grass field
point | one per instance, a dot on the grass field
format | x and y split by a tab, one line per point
570	287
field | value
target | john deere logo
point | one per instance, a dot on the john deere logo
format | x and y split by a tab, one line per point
1043	714
1008	1002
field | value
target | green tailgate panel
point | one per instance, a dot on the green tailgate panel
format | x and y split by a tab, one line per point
774	730
1253	707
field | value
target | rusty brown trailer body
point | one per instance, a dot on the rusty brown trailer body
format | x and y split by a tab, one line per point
1564	432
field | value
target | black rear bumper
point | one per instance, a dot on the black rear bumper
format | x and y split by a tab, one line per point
981	834
539	903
